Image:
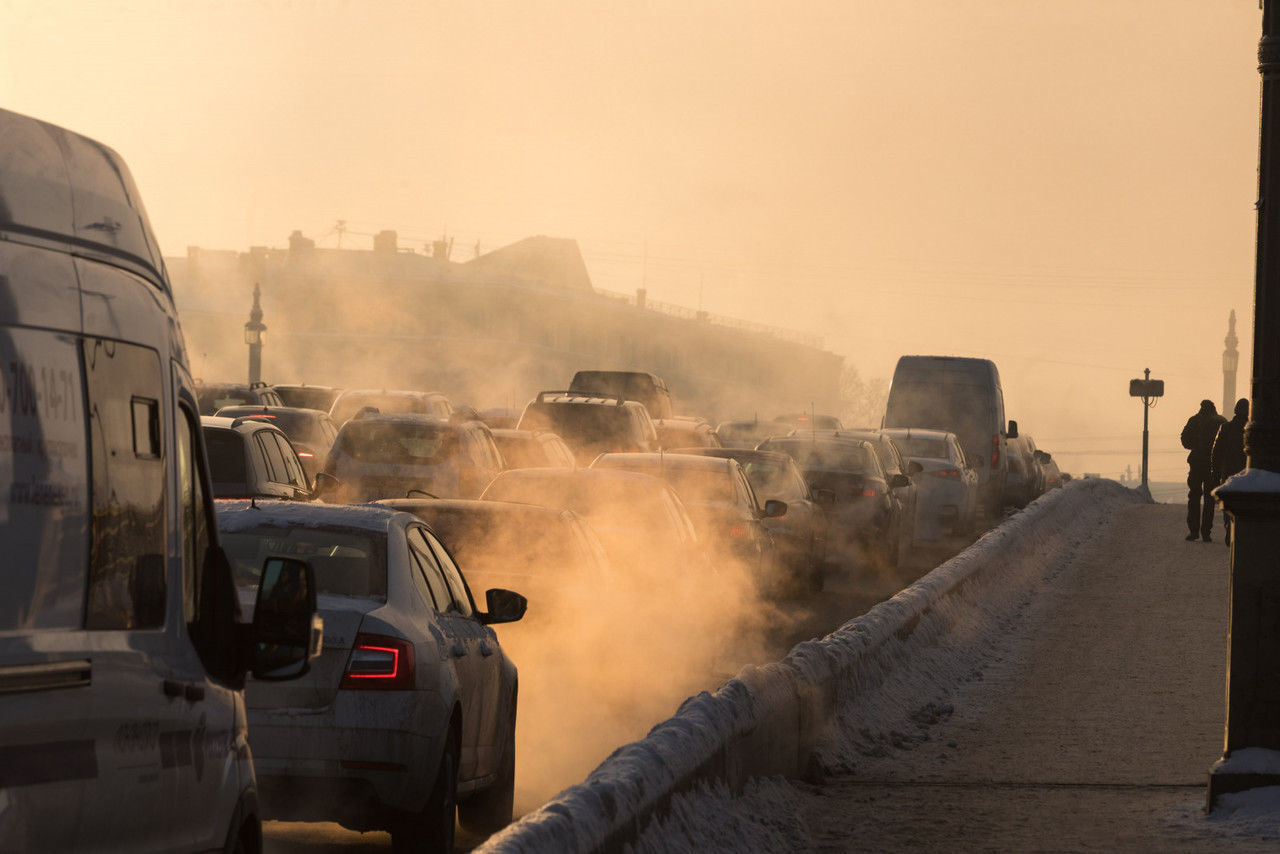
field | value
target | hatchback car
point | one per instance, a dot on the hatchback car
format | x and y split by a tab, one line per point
863	517
801	532
948	485
311	431
214	396
527	449
389	456
250	457
350	402
411	706
591	425
721	503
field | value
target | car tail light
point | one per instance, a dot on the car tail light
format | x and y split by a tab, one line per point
951	474
995	450
306	454
379	662
737	531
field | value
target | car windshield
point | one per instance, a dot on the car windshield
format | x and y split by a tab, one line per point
693	485
346	562
771	479
405	443
226	456
520	452
921	446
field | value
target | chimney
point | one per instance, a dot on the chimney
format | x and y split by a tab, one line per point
298	243
385	241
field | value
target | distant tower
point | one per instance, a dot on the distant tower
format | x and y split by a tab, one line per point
1230	360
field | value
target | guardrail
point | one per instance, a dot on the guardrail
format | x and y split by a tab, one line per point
769	720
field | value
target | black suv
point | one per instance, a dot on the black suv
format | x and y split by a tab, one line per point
592	426
252	458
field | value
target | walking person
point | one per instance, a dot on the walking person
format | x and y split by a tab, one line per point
1197	438
1227	456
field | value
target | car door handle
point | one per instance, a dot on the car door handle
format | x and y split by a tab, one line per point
486	650
458	650
191	691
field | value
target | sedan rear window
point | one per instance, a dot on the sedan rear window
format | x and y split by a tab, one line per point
346	563
392	442
916	446
823	455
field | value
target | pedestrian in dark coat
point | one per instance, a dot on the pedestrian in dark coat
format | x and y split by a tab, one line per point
1228	451
1197	438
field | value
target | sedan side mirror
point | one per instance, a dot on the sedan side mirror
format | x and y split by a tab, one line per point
774	509
897	481
286	632
914	467
504	606
824	498
325	482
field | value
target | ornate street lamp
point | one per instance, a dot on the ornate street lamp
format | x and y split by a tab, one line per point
254	331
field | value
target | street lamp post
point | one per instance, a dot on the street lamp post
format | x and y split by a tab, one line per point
1252	499
254	331
1230	361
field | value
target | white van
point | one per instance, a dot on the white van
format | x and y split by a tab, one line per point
122	657
961	396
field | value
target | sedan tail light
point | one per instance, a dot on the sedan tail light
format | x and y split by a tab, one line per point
869	492
737	531
379	662
948	474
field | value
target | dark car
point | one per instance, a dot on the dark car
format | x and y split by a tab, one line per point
864	519
387	456
801	532
591	426
531	449
252	458
551	556
308	396
748	434
211	397
310	431
905	492
648	389
722	504
640	519
684	431
393	402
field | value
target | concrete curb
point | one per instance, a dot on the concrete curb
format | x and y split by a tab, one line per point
769	719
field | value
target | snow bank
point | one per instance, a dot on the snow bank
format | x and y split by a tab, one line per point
770	720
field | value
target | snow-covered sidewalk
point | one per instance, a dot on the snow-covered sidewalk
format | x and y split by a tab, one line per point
1089	725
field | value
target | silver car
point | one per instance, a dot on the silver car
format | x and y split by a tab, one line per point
410	708
949	499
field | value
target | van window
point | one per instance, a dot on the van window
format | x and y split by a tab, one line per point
195	518
44	481
127	546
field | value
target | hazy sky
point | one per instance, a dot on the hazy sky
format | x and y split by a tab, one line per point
1066	187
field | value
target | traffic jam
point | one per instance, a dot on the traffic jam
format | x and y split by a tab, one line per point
231	603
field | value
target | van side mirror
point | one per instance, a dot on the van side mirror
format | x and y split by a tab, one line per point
504	606
286	632
1012	432
774	509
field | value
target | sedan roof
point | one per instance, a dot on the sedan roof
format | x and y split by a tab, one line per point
234	515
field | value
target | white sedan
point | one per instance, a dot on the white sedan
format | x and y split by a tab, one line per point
948	485
410	708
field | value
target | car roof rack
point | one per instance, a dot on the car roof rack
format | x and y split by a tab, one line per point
581	395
